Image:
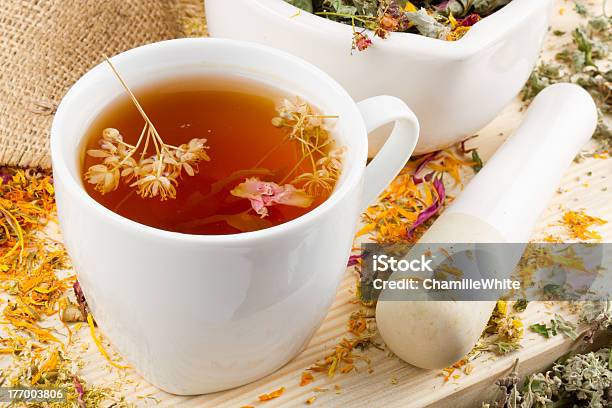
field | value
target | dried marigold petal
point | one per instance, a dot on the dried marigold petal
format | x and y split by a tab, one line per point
306	378
577	223
99	345
272	395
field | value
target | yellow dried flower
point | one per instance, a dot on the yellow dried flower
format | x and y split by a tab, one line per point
155	175
106	179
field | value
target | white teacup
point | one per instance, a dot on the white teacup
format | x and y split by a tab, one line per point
196	314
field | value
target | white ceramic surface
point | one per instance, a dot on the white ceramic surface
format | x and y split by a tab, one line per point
501	204
455	88
197	314
518	182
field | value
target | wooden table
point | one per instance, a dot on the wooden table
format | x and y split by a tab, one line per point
393	383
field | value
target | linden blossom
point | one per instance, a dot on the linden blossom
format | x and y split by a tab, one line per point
472	284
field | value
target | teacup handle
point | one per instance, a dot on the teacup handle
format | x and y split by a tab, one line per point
392	157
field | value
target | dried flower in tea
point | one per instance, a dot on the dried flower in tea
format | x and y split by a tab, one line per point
263	194
274	156
306	129
153	175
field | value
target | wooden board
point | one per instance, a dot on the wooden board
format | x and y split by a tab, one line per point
391	382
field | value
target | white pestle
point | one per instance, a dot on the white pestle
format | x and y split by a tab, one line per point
501	204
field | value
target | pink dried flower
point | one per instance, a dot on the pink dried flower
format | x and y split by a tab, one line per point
416	180
432	209
354	260
361	41
264	194
425	161
80	391
469	20
80	297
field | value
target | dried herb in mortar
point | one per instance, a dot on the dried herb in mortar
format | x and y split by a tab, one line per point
447	20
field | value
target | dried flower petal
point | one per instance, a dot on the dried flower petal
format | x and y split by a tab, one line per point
432	209
106	179
154	185
577	223
386	24
361	41
80	298
306	378
470	20
80	392
111	135
72	313
264	194
354	260
98	153
272	395
155	175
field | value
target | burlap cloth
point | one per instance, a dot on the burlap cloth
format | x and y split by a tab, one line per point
46	45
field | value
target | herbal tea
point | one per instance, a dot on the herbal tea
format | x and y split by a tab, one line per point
209	155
